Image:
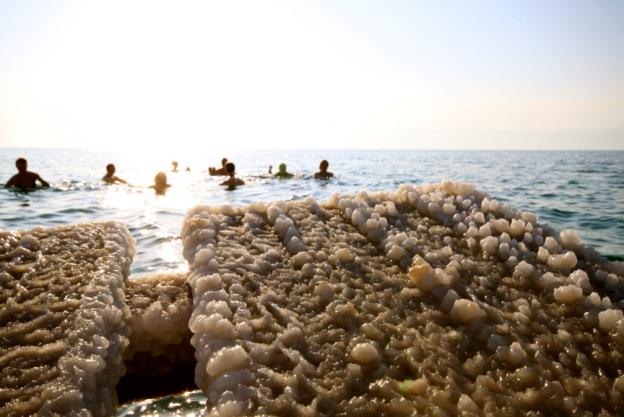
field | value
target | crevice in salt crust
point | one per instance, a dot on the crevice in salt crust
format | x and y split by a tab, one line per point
159	359
63	318
428	300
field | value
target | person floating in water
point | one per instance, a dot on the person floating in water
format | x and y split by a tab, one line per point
323	174
220	171
174	164
282	173
160	183
110	177
25	179
232	181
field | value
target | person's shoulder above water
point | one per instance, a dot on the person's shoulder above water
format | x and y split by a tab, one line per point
219	171
232	181
282	173
110	177
323	173
25	179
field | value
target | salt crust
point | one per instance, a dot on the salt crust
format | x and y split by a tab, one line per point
428	300
160	307
63	319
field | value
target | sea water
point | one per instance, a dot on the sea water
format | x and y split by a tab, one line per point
578	190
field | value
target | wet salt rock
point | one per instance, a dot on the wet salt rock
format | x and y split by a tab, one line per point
448	209
489	245
466	311
372	332
397	253
501	225
594	300
295	245
479	217
568	294
364	353
516	354
524	270
258	207
503	251
472	232
228	210
542	255
29	242
466	404
272	256
495	340
580	279
227	359
551	244
449	300
301	259
344	255
563	261
273	212
608	319
391	209
422	274
324	291
570	239
485	230
516	228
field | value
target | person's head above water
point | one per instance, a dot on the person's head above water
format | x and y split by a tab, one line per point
282	168
224	162
21	164
175	165
160	179
230	168
110	169
324	165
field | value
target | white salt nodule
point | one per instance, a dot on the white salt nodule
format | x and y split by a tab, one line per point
227	359
523	269
344	255
568	294
563	261
489	245
608	319
466	311
422	274
364	353
570	239
397	253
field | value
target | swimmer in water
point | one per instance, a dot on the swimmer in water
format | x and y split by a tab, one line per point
232	182
282	173
174	164
25	179
160	183
110	177
323	174
220	171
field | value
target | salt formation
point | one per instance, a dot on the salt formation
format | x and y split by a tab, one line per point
63	319
430	300
160	307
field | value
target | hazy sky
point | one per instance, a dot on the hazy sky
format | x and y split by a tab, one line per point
312	74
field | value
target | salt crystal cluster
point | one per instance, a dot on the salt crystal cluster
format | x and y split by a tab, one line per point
63	319
428	300
160	308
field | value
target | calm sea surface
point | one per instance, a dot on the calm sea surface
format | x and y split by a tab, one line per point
578	190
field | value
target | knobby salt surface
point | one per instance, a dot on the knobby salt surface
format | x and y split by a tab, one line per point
431	300
63	319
